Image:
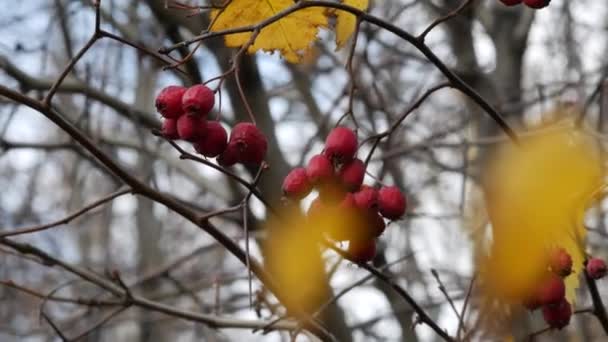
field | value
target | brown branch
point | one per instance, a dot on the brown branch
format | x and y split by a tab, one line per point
422	315
456	81
598	306
68	218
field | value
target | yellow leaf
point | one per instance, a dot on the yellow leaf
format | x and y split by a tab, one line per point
346	22
536	197
293	258
292	35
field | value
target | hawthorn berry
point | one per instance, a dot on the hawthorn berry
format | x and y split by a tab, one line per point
341	144
366	198
361	251
250	142
560	262
169	129
552	290
391	202
376	223
316	209
596	268
531	303
296	184
537	4
348	203
320	169
214	140
190	128
557	315
229	157
511	2
198	100
331	192
352	174
169	102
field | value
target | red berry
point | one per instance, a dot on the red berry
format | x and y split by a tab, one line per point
320	169
169	101
229	157
511	2
213	142
250	141
366	198
391	202
376	223
341	144
352	174
560	262
331	192
190	128
315	211
296	184
537	3
557	315
552	290
532	303
198	100
169	129
596	268
361	250
348	203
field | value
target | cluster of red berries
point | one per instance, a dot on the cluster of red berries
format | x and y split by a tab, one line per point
536	4
185	112
551	294
337	174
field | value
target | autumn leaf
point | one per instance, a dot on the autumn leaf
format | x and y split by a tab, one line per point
346	22
294	260
536	196
292	35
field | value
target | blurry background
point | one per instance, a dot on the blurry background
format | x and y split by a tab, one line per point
534	66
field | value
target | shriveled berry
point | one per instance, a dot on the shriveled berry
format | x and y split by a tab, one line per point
250	141
557	315
198	100
511	2
296	184
169	102
537	4
552	290
366	198
169	129
214	140
351	175
391	202
341	144
596	268
229	157
320	169
190	128
560	262
361	250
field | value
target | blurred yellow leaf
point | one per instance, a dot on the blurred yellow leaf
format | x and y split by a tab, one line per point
292	35
536	196
294	252
346	22
294	259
